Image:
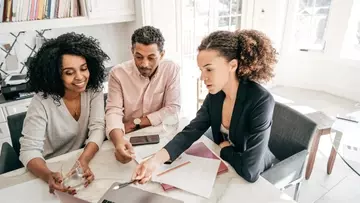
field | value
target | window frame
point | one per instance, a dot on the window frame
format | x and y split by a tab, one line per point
188	56
289	41
339	14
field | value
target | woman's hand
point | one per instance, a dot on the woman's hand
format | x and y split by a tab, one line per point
224	144
88	174
143	172
54	180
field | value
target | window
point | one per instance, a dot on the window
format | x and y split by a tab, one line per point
199	18
228	14
195	25
311	22
351	43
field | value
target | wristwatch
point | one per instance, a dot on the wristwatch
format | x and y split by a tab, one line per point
137	122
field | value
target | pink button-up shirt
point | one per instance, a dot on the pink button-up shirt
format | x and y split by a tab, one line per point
130	95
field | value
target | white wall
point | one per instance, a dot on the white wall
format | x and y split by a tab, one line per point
334	76
167	18
164	14
323	71
115	40
269	17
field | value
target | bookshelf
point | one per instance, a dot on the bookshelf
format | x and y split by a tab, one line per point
7	27
93	12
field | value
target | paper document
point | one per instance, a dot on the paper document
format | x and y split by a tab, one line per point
197	177
31	191
142	152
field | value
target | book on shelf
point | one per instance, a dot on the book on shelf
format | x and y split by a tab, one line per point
27	10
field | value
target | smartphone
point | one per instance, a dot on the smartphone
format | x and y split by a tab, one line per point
143	140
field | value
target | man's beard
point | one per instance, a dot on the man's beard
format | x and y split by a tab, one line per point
145	71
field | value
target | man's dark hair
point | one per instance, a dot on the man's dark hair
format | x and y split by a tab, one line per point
44	72
148	35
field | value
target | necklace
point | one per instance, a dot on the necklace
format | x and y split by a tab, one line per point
76	112
73	109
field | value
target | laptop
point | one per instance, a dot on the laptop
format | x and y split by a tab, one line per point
126	194
67	198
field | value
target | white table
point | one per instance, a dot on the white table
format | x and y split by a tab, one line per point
229	187
346	140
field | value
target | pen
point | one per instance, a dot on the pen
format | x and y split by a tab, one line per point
121	185
147	157
167	171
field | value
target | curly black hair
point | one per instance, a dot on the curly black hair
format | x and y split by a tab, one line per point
148	35
44	72
253	50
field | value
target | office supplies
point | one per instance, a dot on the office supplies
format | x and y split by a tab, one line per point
13	85
197	177
121	185
201	150
171	169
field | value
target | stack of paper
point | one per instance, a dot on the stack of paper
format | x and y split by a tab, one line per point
197	177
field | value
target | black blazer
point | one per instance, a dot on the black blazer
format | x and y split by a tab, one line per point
249	129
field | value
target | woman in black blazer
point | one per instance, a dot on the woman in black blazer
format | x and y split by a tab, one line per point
238	109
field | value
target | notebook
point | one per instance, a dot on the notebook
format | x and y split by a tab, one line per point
201	150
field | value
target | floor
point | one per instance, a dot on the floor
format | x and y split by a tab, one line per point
342	185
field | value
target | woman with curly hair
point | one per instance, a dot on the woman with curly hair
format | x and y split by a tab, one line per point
67	113
238	109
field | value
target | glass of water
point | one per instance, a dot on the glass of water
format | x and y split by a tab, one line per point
171	122
73	176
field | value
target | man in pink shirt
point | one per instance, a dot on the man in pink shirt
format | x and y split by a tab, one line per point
141	91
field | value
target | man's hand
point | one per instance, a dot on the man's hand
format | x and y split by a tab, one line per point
124	151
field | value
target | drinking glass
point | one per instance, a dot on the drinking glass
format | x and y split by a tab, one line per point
73	175
171	122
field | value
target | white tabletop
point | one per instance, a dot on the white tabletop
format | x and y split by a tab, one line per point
346	139
229	187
